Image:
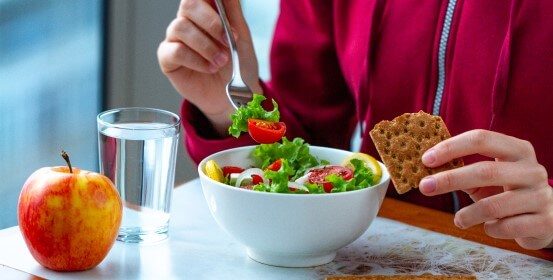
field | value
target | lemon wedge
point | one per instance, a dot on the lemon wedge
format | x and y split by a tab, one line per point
369	161
213	171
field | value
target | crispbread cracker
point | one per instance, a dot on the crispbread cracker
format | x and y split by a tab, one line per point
419	277
401	143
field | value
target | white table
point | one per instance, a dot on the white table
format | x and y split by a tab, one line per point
198	249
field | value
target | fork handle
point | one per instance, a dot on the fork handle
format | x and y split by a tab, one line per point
230	38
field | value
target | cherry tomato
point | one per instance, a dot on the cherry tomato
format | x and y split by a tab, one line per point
317	176
266	132
231	169
275	166
256	179
327	186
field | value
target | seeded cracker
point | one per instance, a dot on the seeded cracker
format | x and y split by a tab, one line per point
401	143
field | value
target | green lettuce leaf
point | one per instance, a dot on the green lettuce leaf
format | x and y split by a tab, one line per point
295	152
314	188
278	179
252	110
362	178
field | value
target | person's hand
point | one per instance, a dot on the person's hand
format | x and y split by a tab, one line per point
196	59
512	195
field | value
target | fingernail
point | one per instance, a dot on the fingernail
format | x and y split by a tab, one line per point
428	185
220	59
457	223
213	68
429	157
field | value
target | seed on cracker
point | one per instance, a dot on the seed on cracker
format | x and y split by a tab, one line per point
401	143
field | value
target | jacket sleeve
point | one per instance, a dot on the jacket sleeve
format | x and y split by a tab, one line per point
307	83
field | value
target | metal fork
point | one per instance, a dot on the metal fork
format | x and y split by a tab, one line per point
238	92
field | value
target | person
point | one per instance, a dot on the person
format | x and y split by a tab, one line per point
484	66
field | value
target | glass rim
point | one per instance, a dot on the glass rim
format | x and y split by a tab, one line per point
146	109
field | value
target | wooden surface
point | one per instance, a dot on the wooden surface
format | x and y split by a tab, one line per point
442	222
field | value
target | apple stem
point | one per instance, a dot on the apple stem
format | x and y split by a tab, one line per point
66	158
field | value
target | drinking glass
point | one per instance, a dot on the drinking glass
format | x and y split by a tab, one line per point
137	151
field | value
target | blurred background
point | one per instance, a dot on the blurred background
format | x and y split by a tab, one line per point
64	61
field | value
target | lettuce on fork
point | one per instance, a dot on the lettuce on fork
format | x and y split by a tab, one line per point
252	110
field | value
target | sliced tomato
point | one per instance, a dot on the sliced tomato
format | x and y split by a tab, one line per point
231	169
275	166
256	179
266	132
318	175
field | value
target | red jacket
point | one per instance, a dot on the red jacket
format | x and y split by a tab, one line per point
336	62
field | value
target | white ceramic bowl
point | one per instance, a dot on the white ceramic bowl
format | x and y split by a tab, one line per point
291	230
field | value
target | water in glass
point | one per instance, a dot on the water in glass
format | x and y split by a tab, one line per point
140	159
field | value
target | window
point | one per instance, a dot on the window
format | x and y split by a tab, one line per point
50	89
261	17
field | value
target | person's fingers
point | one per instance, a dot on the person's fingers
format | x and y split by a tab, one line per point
482	174
506	204
185	31
173	55
520	226
478	141
476	194
205	17
533	243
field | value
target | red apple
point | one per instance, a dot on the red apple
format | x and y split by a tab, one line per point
69	217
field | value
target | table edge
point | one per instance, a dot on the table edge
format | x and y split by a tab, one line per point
442	222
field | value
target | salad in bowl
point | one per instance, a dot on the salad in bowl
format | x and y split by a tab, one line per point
288	166
291	204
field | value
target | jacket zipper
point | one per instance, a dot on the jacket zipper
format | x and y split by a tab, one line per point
441	56
441	74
